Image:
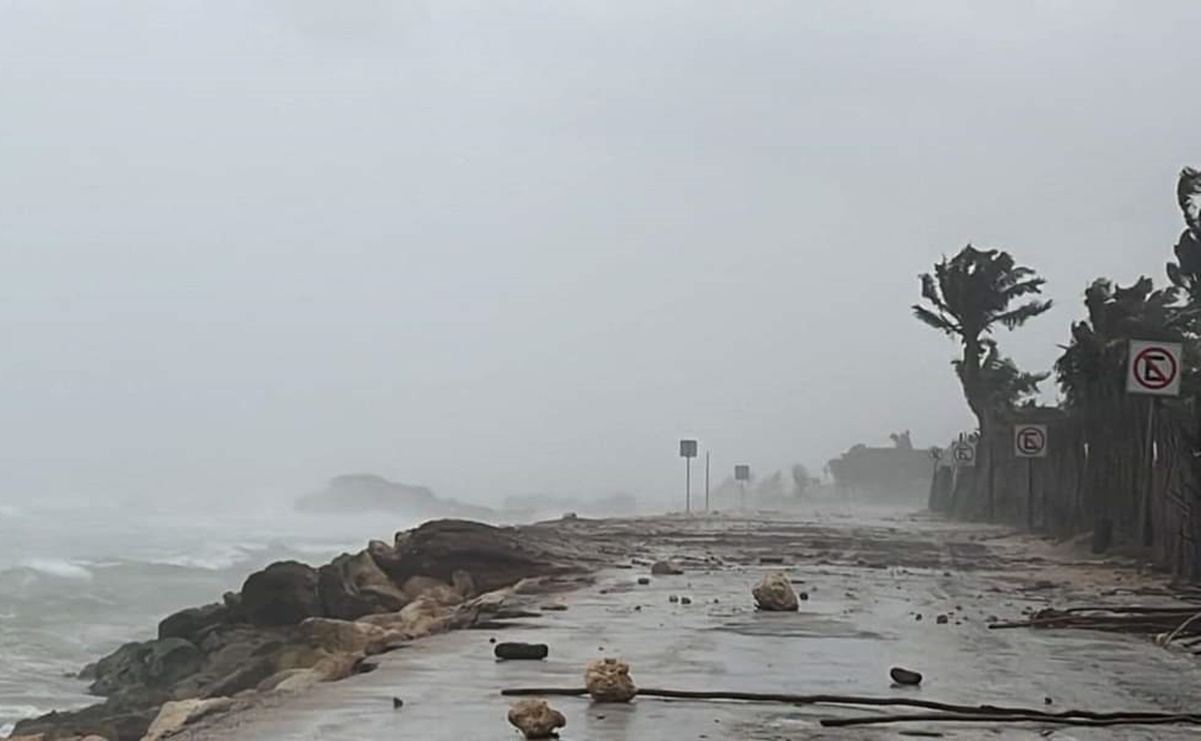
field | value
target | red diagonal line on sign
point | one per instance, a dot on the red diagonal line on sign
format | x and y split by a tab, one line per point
1151	370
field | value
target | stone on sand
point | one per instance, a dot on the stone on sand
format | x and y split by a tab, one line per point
608	680
775	594
536	719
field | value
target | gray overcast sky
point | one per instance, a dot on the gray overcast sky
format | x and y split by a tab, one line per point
501	247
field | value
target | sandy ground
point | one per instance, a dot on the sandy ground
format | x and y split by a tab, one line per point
868	577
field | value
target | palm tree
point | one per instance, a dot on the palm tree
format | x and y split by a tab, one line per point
969	296
1186	271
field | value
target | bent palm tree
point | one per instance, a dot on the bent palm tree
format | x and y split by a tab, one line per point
969	296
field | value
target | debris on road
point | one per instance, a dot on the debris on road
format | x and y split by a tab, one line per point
775	594
536	719
522	651
608	680
904	676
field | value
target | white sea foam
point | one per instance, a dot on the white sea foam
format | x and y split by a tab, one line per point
57	568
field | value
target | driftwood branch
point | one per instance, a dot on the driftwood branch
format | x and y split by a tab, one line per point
949	711
1153	719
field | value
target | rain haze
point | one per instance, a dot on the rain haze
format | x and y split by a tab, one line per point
501	248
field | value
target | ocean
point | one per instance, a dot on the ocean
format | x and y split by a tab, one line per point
77	581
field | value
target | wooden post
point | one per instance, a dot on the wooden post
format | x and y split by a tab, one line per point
1145	526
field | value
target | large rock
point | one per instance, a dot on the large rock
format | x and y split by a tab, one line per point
422	617
111	721
608	680
435	589
353	586
190	623
153	665
536	719
493	557
173	716
342	636
284	593
775	594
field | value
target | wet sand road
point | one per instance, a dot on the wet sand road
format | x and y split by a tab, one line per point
866	580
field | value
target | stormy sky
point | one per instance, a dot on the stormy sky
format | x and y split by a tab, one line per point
505	247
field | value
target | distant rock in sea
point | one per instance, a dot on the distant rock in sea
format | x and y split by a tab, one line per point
370	493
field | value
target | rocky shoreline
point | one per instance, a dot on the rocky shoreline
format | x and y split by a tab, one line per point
293	625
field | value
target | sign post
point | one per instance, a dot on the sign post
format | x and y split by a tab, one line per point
688	452
1153	369
742	474
1030	442
706	480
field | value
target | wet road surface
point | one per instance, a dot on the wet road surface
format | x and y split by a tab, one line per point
860	619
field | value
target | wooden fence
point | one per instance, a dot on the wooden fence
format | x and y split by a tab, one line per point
1096	477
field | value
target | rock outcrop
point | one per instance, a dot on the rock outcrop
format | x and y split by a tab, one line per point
292	626
536	719
608	680
495	557
173	716
775	594
350	587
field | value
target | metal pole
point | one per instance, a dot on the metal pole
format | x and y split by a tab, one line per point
742	485
1030	494
706	481
688	484
1145	510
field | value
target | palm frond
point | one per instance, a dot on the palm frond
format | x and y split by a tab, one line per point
937	321
1017	317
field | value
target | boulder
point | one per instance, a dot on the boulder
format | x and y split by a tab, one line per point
173	716
342	636
109	720
284	593
300	669
422	617
235	658
463	584
494	557
775	594
536	719
435	589
385	557
608	680
189	623
350	587
154	665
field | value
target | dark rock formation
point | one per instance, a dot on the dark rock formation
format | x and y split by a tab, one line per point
190	623
350	587
494	557
284	593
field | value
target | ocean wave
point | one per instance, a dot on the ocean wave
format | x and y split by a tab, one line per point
58	568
